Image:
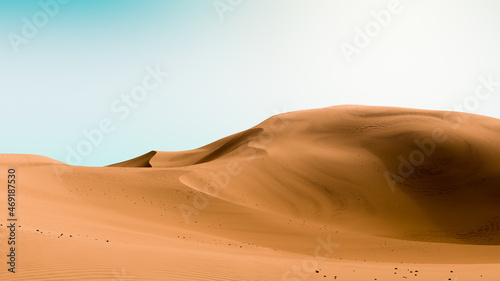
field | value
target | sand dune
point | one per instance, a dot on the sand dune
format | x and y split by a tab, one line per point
346	192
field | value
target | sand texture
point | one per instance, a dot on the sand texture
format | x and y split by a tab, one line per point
339	193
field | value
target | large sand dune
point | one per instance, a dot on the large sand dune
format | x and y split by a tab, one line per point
340	193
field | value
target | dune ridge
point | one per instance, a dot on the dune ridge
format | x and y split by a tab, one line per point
367	187
373	142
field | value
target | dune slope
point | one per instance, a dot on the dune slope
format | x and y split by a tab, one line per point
346	191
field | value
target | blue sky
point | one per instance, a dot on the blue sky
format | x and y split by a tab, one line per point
231	64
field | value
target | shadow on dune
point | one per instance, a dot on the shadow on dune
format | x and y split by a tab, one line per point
307	172
453	181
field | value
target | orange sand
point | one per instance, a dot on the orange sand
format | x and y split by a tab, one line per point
349	191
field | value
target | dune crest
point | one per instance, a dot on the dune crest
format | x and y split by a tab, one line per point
368	188
385	165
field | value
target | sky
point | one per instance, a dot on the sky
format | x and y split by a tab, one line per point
95	82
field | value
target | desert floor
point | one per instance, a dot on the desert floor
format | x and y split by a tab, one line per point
340	193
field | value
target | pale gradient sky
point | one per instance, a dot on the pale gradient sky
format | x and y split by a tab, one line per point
263	58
